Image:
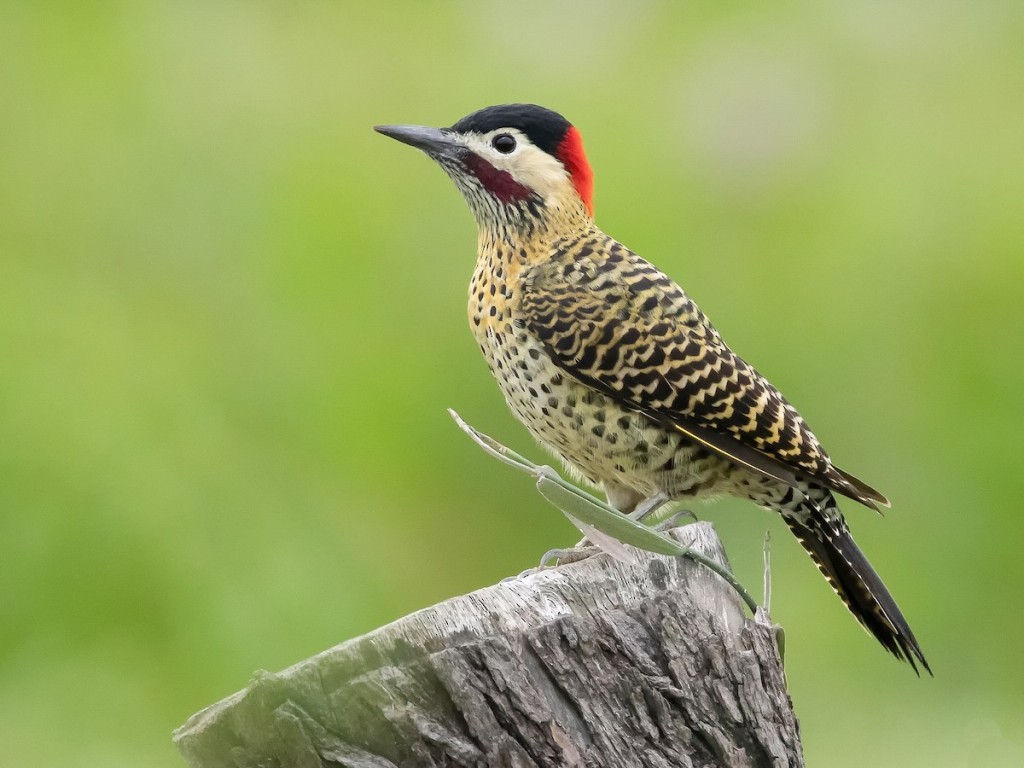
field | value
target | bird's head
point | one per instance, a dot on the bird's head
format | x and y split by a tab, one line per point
514	163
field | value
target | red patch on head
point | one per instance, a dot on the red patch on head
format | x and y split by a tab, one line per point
570	153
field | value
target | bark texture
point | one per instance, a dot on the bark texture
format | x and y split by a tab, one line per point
595	663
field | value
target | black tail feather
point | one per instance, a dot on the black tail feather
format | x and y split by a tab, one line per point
844	566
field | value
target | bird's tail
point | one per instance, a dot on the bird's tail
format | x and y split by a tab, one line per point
844	566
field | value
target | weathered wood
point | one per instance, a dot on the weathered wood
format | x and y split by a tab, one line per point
595	663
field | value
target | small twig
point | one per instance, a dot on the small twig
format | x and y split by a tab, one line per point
580	506
767	603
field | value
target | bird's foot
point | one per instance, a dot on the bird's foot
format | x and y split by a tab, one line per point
559	556
581	551
672	521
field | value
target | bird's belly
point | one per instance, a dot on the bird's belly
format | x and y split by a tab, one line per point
595	437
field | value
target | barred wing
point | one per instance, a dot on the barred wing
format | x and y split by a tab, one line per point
620	326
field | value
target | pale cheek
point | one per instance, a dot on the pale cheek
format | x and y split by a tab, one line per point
549	182
552	184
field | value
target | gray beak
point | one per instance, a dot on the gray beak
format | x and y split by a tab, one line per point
436	142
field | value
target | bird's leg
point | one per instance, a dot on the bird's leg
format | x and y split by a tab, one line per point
672	521
652	504
648	506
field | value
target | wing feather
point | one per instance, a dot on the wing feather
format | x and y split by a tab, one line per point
615	323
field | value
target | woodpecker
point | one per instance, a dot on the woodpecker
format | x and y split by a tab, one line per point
611	366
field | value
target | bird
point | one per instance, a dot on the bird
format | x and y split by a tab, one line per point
614	369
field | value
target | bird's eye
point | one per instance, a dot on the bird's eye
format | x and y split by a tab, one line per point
504	143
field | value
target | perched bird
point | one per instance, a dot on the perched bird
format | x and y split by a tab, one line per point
615	370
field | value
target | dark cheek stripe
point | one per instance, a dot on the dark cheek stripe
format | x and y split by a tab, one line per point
498	183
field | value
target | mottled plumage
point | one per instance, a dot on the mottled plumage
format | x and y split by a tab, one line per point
615	370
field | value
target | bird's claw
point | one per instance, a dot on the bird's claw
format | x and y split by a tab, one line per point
672	521
562	556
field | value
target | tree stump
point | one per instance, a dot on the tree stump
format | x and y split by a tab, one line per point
595	663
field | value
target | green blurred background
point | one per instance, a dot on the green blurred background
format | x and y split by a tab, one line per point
232	318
